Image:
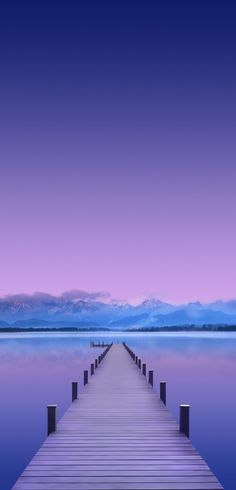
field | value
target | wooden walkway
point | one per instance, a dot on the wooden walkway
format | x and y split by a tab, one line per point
117	435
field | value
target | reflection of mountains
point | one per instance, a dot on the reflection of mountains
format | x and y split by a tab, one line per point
95	310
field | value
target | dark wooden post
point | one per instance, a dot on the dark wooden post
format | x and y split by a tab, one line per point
163	391
92	369
136	359
85	377
99	359
184	419
150	377
139	363
144	369
52	420
74	390
96	363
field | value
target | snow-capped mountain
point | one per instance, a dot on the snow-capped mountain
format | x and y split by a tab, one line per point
101	309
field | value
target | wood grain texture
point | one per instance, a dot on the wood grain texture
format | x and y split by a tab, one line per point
118	435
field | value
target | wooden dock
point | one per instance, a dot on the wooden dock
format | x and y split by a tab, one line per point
118	435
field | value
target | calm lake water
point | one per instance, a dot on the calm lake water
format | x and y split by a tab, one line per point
37	369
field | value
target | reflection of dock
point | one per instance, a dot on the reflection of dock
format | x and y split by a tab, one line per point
118	435
99	344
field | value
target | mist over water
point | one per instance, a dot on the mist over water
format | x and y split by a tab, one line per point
37	369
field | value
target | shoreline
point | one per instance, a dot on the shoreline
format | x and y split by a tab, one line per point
105	330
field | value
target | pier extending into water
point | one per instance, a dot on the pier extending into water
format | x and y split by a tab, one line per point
117	435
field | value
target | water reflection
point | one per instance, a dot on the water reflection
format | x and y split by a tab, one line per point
38	369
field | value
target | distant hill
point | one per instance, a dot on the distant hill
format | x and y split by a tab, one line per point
95	310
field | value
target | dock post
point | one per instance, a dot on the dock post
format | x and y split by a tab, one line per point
96	363
144	369
136	359
74	390
52	421
184	419
163	392
92	369
85	377
139	363
150	377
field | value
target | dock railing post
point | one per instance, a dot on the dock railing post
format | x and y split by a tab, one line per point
144	369
74	390
163	391
96	363
52	420
139	363
184	419
92	369
136	359
150	377
85	377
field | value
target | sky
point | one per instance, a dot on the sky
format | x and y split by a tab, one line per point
117	148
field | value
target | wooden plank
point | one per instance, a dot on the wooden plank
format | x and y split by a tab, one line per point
119	479
121	466
117	435
113	473
53	485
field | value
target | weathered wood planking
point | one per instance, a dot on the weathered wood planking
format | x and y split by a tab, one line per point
117	435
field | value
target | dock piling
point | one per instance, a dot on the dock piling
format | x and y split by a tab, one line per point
144	369
92	369
52	422
74	390
163	392
150	377
184	419
85	377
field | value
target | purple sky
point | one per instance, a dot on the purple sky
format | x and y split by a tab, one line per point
117	152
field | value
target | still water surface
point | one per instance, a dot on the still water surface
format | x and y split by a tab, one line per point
37	369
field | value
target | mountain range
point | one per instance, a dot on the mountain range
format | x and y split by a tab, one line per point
101	310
